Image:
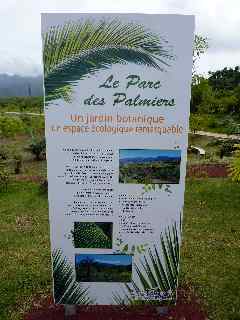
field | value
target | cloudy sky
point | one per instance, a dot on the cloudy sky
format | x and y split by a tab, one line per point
20	49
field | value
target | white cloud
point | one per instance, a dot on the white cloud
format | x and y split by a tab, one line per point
20	51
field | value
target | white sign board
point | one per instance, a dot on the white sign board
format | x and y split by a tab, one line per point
117	92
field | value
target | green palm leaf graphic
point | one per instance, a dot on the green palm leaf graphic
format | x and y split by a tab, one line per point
76	50
156	271
66	289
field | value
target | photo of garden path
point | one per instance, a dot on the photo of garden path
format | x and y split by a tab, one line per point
209	273
149	166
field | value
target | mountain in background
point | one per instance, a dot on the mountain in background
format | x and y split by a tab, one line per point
18	86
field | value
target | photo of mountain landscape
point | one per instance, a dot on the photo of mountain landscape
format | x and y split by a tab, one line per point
103	267
149	166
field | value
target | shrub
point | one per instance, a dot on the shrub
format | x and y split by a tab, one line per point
215	143
227	148
10	126
212	123
33	125
38	147
195	122
231	126
4	176
4	152
18	160
235	165
44	187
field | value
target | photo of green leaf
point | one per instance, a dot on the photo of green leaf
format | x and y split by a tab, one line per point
78	49
66	289
92	235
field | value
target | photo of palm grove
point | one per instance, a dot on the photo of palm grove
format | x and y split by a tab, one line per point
149	166
92	235
103	267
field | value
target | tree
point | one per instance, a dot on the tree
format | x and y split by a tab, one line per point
203	98
199	47
198	82
37	147
225	79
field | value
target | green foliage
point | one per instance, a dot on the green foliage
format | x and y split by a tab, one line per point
4	176
22	104
200	46
75	50
4	152
38	147
10	126
235	165
44	187
34	125
225	79
10	158
201	94
214	123
66	289
18	162
195	122
219	94
227	148
230	125
92	235
5	156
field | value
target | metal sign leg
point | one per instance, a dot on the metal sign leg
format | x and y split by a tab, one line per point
69	310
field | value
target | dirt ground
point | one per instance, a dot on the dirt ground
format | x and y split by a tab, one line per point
188	307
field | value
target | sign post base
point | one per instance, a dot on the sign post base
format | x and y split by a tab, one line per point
69	310
162	311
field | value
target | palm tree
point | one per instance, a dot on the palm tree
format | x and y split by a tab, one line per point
156	271
66	289
77	49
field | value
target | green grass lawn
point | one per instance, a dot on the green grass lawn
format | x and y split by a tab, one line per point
210	253
25	255
211	246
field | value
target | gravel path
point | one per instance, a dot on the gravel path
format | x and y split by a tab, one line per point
217	135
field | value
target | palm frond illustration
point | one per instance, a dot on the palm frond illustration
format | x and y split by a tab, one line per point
66	289
76	50
156	271
92	235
